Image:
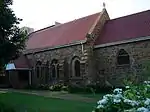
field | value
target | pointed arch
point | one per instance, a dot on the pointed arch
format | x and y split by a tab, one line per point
38	68
123	57
76	70
54	69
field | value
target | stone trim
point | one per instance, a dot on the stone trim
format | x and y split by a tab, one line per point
75	58
122	42
30	51
101	14
95	23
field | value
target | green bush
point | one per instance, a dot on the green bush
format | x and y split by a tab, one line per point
64	88
43	87
97	88
136	98
38	87
76	89
58	87
88	89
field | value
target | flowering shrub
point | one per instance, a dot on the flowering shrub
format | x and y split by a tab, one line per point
55	87
64	88
43	86
133	99
58	87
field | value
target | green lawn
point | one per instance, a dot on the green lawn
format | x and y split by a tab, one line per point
42	104
94	96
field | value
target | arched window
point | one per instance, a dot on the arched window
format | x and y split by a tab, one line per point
55	69
123	57
76	67
38	68
47	72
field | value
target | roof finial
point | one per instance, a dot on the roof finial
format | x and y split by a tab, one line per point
104	5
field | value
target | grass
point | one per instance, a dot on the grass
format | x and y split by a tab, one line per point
42	104
95	96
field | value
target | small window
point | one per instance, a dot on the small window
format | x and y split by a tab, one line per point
55	68
123	58
38	68
77	68
38	72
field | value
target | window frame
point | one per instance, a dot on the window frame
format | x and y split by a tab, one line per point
125	55
73	74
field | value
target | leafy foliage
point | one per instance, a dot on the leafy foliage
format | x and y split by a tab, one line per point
136	98
91	88
12	40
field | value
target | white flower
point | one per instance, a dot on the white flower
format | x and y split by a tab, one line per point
116	100
118	96
145	88
117	91
102	102
107	96
131	102
147	102
100	106
127	87
147	82
138	93
143	109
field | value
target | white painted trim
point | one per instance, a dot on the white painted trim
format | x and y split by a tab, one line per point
123	42
10	66
19	69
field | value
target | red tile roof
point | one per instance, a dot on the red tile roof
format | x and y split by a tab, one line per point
62	34
128	27
22	63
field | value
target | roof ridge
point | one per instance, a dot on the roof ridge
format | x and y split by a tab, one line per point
53	26
130	15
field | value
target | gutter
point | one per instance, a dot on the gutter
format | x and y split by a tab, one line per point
82	48
123	42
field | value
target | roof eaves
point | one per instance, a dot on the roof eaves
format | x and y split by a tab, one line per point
122	42
36	50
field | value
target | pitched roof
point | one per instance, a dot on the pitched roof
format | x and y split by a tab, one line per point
124	28
62	34
21	63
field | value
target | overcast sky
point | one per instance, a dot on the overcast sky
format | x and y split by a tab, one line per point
38	14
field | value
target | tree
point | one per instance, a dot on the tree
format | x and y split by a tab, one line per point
12	40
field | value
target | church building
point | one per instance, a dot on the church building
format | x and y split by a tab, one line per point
91	49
